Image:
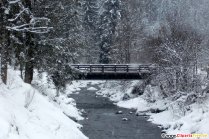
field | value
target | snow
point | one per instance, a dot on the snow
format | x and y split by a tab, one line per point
195	121
92	89
75	86
66	104
27	114
174	117
135	103
115	90
162	118
31	112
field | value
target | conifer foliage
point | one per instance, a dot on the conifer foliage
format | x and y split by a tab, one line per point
107	29
50	35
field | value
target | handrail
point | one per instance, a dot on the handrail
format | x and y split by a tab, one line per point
111	67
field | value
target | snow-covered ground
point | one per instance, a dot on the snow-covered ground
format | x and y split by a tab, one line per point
173	116
33	112
115	90
29	113
75	86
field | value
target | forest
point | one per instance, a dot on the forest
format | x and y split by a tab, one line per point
40	40
49	35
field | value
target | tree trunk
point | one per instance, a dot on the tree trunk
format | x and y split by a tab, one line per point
4	60
29	63
5	55
4	40
29	72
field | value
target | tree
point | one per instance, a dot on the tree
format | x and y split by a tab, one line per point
20	22
90	23
127	32
4	39
175	46
90	18
107	28
64	45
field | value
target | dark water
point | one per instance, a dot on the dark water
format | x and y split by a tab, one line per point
102	122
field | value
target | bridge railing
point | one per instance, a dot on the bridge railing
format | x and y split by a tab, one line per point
105	68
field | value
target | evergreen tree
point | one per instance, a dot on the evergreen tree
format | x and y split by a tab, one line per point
20	26
107	29
90	23
90	8
64	45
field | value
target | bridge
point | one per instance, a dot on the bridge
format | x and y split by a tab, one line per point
112	71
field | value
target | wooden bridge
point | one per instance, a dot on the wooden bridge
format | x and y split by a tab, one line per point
113	71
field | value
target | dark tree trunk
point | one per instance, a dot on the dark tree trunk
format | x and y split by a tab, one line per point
29	72
5	57
4	60
29	63
5	43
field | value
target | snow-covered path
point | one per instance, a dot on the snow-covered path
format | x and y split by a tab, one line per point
102	122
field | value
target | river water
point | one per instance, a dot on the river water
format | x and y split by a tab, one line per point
102	122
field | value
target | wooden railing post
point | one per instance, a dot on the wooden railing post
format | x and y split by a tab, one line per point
102	68
90	68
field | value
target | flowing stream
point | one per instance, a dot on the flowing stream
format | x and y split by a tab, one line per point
102	122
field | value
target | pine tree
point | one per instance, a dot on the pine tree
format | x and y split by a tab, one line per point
90	23
107	29
90	8
20	23
64	45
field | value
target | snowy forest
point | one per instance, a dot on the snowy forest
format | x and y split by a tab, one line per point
47	36
50	35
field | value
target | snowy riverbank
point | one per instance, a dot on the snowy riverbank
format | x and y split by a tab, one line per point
26	113
29	113
173	116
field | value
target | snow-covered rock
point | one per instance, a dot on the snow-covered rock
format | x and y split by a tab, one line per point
119	112
125	119
92	89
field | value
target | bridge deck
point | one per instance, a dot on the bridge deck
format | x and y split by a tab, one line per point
113	71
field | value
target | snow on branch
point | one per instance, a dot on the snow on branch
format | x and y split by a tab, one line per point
13	1
33	24
18	15
28	28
